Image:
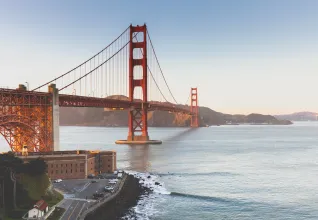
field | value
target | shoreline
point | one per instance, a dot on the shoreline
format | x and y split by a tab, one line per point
119	204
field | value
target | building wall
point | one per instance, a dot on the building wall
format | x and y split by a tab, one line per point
67	169
76	165
35	212
107	162
91	165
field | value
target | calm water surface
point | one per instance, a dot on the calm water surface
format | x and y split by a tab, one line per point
227	172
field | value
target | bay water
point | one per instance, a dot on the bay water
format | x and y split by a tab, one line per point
224	172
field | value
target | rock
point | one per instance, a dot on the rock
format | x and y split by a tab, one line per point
156	183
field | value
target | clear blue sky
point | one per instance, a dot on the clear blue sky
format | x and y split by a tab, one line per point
244	56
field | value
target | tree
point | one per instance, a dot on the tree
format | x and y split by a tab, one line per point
36	167
11	161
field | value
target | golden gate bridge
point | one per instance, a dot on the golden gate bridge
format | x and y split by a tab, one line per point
125	75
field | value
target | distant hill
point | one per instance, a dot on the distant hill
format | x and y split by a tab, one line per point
299	116
208	117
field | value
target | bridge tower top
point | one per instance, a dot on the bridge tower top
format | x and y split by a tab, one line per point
194	109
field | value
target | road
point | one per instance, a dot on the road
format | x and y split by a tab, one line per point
81	188
78	195
74	209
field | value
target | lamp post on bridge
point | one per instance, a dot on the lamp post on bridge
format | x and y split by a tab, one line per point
27	85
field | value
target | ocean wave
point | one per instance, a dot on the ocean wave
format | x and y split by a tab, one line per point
206	198
150	181
198	174
145	208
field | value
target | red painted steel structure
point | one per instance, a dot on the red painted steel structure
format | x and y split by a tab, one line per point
194	109
116	104
137	120
27	118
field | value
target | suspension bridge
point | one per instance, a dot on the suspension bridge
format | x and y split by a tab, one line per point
125	75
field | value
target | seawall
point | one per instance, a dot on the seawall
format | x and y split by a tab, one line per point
118	205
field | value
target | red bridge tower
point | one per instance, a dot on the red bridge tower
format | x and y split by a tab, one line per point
137	121
194	109
137	118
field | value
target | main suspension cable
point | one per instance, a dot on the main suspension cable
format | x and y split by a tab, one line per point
84	61
153	49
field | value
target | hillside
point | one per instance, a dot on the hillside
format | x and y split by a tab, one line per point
32	184
299	116
208	117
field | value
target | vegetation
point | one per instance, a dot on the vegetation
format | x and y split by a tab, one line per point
16	214
34	167
52	197
57	213
36	186
9	160
33	184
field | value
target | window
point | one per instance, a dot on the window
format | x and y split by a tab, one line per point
66	165
71	171
52	172
108	165
57	171
65	171
56	165
108	160
61	171
51	165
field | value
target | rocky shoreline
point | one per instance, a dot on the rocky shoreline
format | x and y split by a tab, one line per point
119	207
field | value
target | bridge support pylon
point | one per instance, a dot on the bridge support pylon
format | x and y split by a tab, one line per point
55	117
194	109
137	116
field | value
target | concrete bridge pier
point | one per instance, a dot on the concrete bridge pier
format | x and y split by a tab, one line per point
55	117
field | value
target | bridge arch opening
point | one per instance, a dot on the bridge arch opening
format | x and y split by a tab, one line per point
4	146
19	134
138	72
138	94
138	36
138	53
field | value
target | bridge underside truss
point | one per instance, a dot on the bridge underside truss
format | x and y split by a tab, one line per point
26	120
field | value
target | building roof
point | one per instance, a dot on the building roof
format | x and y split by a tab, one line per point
41	205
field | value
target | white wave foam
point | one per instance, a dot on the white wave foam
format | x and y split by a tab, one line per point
145	207
150	181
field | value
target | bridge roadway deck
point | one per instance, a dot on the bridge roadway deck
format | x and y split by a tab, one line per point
14	97
83	101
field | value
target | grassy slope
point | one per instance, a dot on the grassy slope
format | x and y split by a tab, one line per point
38	187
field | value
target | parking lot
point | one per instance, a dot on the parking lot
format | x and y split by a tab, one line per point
79	193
